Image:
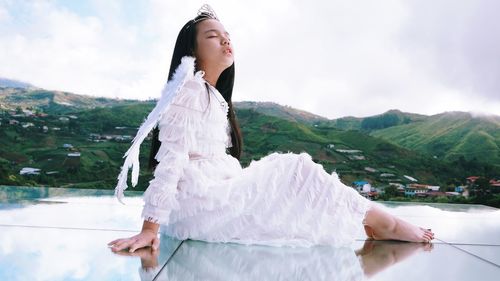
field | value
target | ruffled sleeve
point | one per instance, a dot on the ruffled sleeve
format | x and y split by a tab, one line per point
178	127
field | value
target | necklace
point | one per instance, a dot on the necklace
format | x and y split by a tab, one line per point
222	103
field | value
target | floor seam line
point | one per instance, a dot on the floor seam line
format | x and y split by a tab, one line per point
168	260
472	254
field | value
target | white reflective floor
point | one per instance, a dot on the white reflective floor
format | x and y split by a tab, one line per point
61	234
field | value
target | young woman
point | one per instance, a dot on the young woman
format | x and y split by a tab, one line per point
200	192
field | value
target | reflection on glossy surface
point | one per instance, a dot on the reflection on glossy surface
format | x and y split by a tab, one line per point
196	260
444	262
467	208
472	224
486	252
62	234
65	208
9	194
377	256
53	254
378	260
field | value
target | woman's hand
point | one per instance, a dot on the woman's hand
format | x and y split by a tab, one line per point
144	239
149	257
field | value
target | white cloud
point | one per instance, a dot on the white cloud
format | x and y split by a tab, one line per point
58	49
333	58
4	15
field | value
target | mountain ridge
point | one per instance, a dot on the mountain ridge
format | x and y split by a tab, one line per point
447	135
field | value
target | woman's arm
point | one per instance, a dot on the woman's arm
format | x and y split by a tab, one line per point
178	135
178	127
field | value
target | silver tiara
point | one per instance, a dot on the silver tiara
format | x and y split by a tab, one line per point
206	12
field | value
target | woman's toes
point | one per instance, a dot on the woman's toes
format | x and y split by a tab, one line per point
428	232
428	237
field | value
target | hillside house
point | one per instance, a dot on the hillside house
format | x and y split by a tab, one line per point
356	157
398	185
410	178
424	190
28	113
67	145
462	190
123	138
471	184
495	185
27	125
29	171
362	186
370	169
471	180
349	151
415	190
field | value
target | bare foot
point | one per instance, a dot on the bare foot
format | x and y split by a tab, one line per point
380	225
404	231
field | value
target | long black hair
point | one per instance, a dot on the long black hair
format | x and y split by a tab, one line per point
185	46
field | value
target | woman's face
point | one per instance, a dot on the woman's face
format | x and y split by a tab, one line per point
213	46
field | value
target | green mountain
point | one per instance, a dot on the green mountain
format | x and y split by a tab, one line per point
99	130
390	118
450	135
51	101
282	111
101	136
353	154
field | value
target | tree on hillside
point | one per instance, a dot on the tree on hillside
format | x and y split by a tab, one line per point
482	187
390	191
380	122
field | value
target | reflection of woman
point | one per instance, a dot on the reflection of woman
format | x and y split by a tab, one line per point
196	260
200	192
226	261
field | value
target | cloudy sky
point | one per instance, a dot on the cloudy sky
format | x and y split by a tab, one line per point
333	58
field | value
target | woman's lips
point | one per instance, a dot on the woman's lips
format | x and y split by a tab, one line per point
228	51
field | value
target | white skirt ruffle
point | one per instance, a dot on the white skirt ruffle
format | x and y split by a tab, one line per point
282	199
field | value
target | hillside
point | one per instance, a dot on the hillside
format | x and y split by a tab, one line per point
450	135
352	154
10	83
100	137
101	129
281	111
52	101
387	119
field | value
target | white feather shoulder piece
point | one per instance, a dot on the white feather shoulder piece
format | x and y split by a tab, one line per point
183	73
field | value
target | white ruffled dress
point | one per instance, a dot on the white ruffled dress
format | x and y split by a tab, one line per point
201	192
